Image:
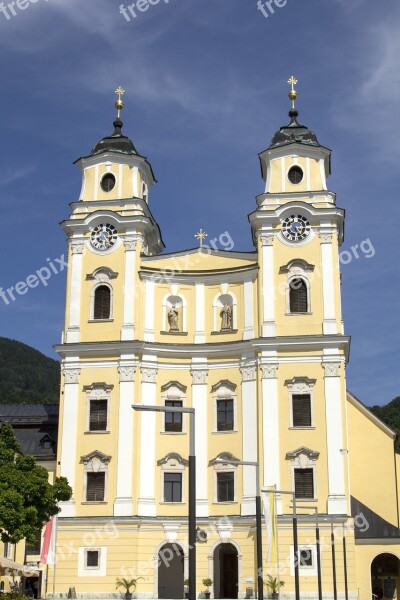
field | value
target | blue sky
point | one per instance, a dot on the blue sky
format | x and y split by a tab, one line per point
205	88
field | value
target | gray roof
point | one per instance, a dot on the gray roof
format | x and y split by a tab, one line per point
33	424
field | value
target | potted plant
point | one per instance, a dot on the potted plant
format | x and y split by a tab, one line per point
127	585
273	585
186	587
207	582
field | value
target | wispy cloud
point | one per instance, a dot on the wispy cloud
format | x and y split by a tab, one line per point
11	175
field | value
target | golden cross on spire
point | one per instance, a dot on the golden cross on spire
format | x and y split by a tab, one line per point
119	105
200	236
293	93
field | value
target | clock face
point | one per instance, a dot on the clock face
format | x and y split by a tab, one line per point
296	228
103	237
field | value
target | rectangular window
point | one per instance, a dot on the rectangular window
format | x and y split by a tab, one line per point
173	420
226	487
92	559
35	547
98	415
95	487
8	551
224	415
306	557
301	406
304	483
172	487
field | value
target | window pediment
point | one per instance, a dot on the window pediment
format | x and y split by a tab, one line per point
224	383
228	456
302	453
171	460
95	457
174	384
297	266
300	384
102	274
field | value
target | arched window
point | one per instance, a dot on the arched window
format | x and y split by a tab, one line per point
298	296
102	302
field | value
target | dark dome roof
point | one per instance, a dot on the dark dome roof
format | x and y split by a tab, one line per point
294	133
115	142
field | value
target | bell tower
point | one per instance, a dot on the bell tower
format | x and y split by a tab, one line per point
298	229
108	229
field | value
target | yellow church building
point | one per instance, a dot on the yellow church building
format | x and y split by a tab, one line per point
254	342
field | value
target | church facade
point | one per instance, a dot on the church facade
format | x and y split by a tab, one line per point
255	343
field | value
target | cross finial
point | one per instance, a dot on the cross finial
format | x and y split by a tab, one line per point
200	236
292	81
119	105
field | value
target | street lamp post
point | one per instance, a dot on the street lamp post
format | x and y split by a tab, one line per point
247	463
192	484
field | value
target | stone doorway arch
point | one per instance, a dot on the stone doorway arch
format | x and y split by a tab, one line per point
170	571
226	571
385	574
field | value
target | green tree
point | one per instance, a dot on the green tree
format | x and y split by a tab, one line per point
27	499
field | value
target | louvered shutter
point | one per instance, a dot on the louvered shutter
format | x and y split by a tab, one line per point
95	487
102	302
301	404
298	296
304	483
92	558
98	415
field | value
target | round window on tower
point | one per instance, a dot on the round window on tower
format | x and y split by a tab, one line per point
108	182
295	175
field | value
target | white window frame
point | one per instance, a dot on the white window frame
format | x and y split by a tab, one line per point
304	570
101	276
296	386
225	468
95	462
84	570
173	463
298	269
224	390
304	458
98	391
174	391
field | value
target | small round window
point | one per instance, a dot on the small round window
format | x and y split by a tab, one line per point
108	182
295	175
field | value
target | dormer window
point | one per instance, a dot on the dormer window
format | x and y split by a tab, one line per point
47	443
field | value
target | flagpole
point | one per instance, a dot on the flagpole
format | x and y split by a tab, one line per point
277	538
55	554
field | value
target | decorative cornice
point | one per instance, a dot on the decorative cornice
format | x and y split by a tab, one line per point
248	373
148	374
332	369
269	371
126	373
71	375
199	376
101	271
297	264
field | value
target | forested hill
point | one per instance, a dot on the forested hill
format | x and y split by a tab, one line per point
390	414
27	375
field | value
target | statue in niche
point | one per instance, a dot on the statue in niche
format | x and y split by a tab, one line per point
226	318
173	318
